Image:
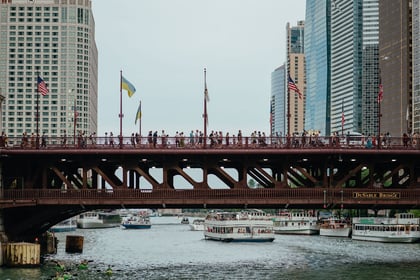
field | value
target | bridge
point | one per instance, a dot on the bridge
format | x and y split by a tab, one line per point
41	185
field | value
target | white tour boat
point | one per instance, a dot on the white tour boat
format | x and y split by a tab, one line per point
335	227
246	226
197	225
64	226
94	219
404	228
300	222
136	222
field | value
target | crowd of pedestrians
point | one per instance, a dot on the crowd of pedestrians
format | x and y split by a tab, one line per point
214	139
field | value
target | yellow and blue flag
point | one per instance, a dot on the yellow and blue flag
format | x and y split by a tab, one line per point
138	114
129	87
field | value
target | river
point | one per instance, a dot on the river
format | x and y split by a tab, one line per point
169	250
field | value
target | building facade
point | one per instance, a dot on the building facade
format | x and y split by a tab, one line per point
296	70
415	117
395	53
370	68
54	39
278	101
346	66
317	57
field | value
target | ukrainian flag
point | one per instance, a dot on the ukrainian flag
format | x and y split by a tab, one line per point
138	114
125	84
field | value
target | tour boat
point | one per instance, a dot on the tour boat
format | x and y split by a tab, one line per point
245	226
300	222
64	226
335	227
197	225
136	222
95	219
404	228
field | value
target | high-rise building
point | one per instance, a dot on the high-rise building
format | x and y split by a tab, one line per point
54	39
317	57
278	100
395	59
296	70
370	67
415	116
346	65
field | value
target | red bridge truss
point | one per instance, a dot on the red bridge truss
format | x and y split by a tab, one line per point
41	186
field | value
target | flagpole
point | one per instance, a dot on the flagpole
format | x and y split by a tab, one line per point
379	125
37	112
288	106
205	108
140	120
121	114
380	96
342	117
74	121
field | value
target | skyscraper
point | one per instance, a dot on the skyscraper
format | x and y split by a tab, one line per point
370	67
278	100
317	56
416	67
395	52
296	71
56	41
346	65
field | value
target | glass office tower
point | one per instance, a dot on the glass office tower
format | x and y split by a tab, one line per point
278	101
317	55
346	65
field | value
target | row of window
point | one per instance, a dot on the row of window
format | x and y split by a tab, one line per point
21	52
44	128
36	8
50	27
33	20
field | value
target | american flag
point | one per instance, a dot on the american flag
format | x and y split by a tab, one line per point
292	86
380	93
42	87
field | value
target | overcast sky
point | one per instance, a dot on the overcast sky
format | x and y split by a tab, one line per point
163	46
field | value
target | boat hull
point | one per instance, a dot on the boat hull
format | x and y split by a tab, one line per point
97	220
95	225
63	229
239	239
387	239
338	232
197	227
131	226
301	231
386	236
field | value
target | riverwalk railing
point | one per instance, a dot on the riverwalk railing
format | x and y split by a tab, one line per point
225	142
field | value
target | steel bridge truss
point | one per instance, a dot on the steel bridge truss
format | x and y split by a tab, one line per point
42	187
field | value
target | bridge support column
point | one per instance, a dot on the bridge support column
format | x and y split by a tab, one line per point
3	236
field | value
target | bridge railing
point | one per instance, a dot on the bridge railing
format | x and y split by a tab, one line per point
327	195
224	142
128	194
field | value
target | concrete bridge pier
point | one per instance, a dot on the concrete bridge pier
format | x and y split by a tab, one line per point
3	236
